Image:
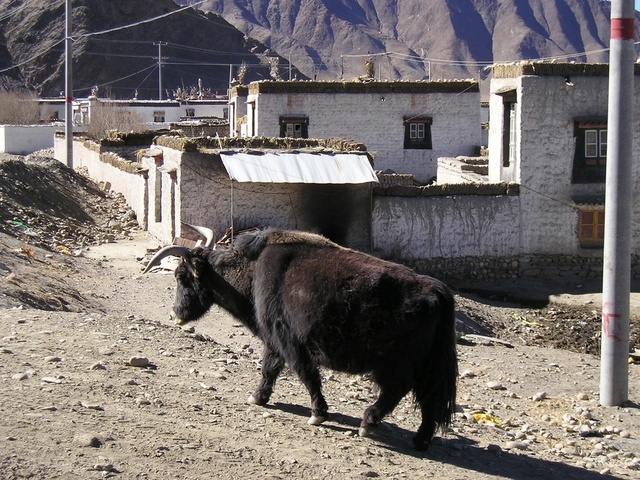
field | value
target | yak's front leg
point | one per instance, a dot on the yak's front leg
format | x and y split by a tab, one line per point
272	365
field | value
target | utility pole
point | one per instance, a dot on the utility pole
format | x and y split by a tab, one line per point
616	281
160	44
68	84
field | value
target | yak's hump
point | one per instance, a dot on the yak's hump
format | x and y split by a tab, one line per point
250	245
288	237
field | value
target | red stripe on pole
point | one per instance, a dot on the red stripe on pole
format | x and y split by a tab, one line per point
622	29
69	99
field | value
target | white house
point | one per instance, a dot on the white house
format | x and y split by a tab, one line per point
161	112
407	125
548	132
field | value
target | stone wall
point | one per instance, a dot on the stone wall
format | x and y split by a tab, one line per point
552	267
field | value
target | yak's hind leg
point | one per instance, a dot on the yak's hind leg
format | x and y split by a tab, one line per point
427	429
393	388
272	365
303	365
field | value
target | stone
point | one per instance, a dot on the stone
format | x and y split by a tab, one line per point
495	386
513	445
538	397
87	440
139	361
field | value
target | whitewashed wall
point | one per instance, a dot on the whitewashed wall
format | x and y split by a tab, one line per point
131	186
207	197
451	227
546	110
25	139
377	121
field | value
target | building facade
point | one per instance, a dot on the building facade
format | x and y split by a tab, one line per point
407	125
548	133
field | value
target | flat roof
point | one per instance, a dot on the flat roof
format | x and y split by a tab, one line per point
519	69
376	87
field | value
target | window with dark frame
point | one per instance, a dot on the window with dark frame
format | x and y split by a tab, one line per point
591	228
294	126
158	116
590	156
417	132
509	126
190	112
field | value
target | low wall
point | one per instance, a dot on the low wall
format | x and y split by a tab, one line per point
467	235
25	139
121	175
448	221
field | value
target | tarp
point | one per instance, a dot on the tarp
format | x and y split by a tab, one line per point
298	167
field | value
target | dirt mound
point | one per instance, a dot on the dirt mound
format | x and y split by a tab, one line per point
48	214
49	205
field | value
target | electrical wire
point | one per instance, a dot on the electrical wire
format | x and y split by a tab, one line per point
140	22
118	79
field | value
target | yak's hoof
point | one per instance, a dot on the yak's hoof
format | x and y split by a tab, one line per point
368	430
315	420
421	444
252	400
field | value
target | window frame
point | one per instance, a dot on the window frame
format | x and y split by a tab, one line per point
294	124
590	155
159	116
591	230
417	132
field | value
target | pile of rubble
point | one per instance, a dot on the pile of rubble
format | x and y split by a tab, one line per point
46	204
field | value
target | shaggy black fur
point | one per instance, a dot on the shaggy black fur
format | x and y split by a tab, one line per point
314	303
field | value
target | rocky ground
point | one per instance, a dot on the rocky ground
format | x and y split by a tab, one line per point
96	382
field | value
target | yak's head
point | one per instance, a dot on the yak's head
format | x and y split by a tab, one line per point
193	299
195	278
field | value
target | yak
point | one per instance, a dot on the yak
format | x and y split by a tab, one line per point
316	304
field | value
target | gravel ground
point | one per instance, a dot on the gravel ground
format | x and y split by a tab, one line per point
96	382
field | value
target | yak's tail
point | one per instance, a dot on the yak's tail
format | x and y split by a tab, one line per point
435	389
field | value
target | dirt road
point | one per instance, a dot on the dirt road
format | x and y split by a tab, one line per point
74	407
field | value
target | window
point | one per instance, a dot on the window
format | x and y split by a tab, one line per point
417	132
590	157
158	116
190	112
509	126
591	228
294	127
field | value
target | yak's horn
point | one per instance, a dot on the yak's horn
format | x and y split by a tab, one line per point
167	252
207	233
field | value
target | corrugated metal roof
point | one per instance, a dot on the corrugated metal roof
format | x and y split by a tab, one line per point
298	167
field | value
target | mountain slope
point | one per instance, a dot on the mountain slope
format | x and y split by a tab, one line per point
446	38
196	45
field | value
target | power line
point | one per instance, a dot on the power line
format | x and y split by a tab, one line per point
140	22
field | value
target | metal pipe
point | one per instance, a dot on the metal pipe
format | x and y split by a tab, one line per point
616	281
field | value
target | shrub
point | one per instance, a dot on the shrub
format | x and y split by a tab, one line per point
18	108
107	117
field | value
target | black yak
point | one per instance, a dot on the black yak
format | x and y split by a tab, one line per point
316	304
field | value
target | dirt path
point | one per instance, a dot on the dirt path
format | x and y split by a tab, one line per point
74	407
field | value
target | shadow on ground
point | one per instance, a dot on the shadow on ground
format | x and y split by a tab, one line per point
458	451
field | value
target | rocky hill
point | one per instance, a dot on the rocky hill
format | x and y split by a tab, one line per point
416	39
197	46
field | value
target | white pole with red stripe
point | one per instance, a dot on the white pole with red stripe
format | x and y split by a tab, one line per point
616	281
68	85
